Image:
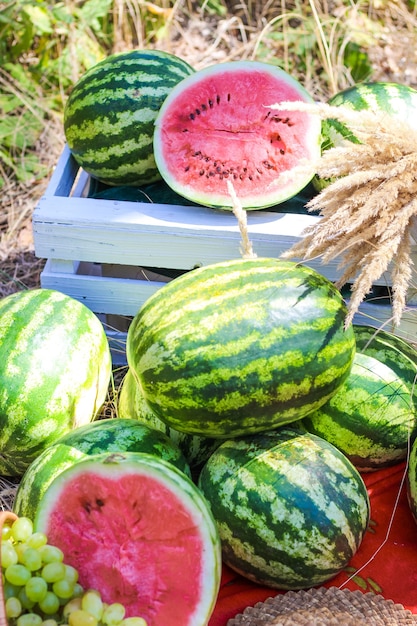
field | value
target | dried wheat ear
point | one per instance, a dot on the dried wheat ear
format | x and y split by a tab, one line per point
367	210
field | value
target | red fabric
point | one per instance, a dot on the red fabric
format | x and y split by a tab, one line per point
390	546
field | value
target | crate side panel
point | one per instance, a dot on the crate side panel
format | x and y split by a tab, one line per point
107	295
63	176
162	235
380	316
154	235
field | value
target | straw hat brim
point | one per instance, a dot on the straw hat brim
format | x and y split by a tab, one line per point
325	607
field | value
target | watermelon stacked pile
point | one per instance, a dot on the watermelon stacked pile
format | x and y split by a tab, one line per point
249	409
255	352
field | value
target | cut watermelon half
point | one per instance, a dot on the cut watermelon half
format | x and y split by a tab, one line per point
217	125
139	531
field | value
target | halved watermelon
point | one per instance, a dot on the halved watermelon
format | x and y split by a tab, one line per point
138	530
217	125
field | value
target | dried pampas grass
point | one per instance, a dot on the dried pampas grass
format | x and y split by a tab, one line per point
367	211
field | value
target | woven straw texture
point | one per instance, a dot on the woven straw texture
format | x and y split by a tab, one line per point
325	607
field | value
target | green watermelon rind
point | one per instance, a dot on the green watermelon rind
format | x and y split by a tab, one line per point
390	349
110	113
395	99
291	509
371	419
112	435
238	346
55	370
131	405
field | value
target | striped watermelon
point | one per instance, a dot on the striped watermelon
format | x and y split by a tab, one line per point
371	418
110	113
395	99
138	530
393	351
240	346
131	405
55	369
104	435
290	508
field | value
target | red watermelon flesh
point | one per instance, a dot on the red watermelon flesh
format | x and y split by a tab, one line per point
140	532
217	125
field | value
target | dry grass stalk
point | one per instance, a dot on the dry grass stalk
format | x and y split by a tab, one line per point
246	249
367	211
8	488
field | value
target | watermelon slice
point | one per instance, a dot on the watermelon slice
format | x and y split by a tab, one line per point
217	125
139	531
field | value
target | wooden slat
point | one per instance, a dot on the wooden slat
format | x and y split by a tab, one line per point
121	296
81	236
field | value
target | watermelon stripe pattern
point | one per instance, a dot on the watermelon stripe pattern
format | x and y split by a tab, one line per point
113	436
391	350
396	99
232	332
290	508
55	371
131	405
110	113
371	417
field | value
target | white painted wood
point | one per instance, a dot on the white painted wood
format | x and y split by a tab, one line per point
107	295
63	176
83	238
134	233
62	266
154	235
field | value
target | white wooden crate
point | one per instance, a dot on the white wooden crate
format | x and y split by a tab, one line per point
100	251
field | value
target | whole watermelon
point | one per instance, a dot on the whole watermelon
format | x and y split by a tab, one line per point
290	508
371	418
55	369
105	435
240	346
110	113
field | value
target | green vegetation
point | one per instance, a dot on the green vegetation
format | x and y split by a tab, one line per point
46	46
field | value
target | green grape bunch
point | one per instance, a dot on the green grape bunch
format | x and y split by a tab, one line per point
40	589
